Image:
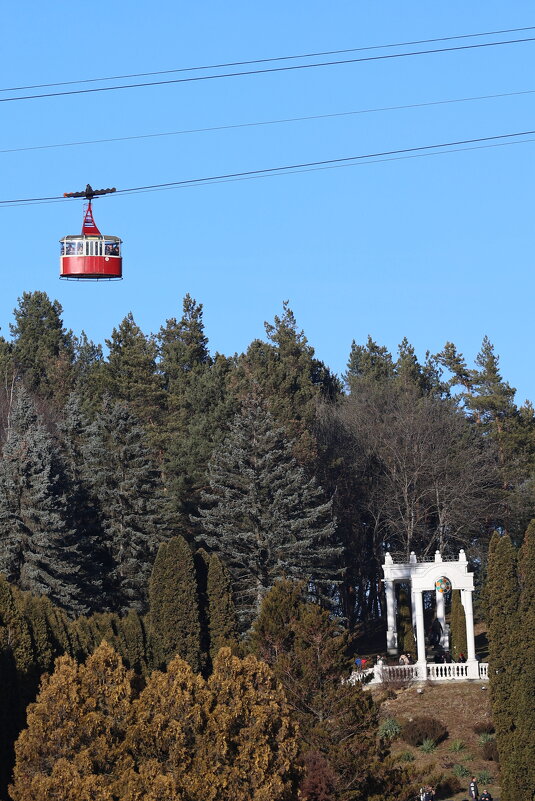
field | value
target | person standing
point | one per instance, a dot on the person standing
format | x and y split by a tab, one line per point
473	792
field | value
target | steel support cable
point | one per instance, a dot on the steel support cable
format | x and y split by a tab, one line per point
268	122
266	71
268	60
288	167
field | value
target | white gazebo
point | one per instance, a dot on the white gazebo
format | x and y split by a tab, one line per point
436	576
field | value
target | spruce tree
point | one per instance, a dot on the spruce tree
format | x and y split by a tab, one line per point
39	548
127	488
370	361
263	516
174	605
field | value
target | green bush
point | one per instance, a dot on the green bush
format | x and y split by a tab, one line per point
457	745
428	745
490	751
406	756
486	737
389	729
461	771
418	729
484	777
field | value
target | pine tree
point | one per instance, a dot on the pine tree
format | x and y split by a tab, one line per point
130	373
199	406
291	379
174	605
222	627
73	747
42	348
39	550
127	487
262	515
457	626
370	362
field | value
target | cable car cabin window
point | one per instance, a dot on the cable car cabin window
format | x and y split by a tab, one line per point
111	249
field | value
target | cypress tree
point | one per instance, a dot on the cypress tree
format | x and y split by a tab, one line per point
457	626
525	777
262	515
505	657
39	549
127	488
222	628
174	605
406	640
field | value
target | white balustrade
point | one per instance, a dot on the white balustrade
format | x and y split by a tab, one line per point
448	671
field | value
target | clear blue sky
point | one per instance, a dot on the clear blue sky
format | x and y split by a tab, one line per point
435	249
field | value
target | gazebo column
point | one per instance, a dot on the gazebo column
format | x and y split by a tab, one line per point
441	617
420	630
472	663
391	632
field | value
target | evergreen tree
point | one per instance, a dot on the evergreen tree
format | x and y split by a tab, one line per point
39	550
198	406
127	487
370	361
88	373
457	626
222	627
309	653
174	605
73	748
42	348
291	379
505	658
525	758
84	512
183	346
230	737
262	515
130	373
406	640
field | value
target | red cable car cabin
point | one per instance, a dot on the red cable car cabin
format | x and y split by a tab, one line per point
91	255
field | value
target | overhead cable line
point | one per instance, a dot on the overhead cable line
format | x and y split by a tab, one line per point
268	122
254	177
271	59
288	167
290	68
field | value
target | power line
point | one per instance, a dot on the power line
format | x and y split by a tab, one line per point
268	60
266	71
289	167
269	122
